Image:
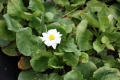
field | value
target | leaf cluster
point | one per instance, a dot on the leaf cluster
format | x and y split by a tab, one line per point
90	44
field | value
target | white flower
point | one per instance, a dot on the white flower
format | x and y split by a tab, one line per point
51	38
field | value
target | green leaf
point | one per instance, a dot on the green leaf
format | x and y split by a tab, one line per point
66	24
95	60
98	46
28	75
115	10
12	24
55	62
73	75
27	16
40	61
78	3
104	23
36	5
106	73
54	76
36	24
32	44
75	14
104	12
81	27
110	47
105	40
62	2
84	57
15	8
5	34
39	64
10	50
93	22
49	16
70	46
112	36
95	5
112	64
4	43
87	69
53	8
84	40
70	59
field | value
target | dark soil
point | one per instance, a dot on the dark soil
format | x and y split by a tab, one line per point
8	67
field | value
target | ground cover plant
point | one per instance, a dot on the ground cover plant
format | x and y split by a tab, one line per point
62	39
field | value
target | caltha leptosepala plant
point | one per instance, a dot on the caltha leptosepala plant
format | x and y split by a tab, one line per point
62	40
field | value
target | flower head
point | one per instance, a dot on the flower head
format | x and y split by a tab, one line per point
51	38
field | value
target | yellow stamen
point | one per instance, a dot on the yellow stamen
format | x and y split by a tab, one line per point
51	37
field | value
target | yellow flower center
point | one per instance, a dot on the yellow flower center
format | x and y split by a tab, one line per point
51	37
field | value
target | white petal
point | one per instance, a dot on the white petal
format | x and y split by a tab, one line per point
44	34
58	40
47	43
54	45
43	39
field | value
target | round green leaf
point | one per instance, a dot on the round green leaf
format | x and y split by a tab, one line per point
86	69
32	44
107	73
49	16
73	75
39	64
55	62
40	61
66	24
36	5
84	40
84	57
28	75
70	59
10	50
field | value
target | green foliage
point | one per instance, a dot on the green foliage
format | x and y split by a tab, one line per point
5	34
31	42
87	69
106	73
73	75
81	27
28	75
98	46
12	24
70	46
84	57
84	40
15	8
88	42
10	50
36	5
55	62
70	59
